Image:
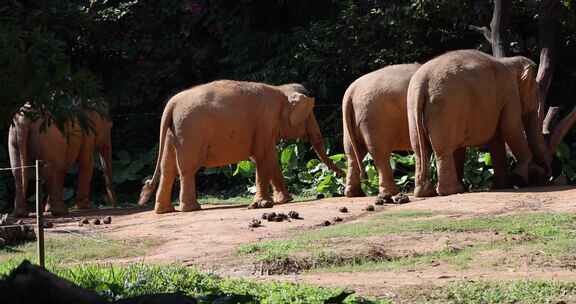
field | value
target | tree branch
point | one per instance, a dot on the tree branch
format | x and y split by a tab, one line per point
482	30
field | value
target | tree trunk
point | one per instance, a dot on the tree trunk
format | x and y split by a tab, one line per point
548	23
494	34
499	23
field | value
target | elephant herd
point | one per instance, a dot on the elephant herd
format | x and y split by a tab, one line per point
459	99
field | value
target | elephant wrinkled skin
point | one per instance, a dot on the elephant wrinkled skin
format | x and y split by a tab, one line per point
375	121
468	98
59	152
224	122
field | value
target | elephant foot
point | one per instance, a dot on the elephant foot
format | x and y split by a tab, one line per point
163	208
354	192
500	183
425	190
83	204
538	176
189	207
20	212
57	211
261	204
283	198
451	189
383	198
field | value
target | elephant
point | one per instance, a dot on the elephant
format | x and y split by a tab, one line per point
28	140
468	98
375	121
223	122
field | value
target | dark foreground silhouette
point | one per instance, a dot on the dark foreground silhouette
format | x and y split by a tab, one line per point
29	283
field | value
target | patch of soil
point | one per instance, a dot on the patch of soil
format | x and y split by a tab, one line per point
209	238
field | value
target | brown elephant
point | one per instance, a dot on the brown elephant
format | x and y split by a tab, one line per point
224	122
468	98
375	121
27	140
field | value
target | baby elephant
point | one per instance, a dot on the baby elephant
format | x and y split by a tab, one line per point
375	121
224	122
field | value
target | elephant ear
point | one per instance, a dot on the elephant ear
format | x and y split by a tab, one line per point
300	108
529	86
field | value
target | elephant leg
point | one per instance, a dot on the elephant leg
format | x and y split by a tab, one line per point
188	159
448	182
281	194
266	166
497	149
55	183
386	187
168	171
423	185
85	171
460	160
353	183
512	129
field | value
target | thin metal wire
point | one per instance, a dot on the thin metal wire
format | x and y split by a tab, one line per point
12	168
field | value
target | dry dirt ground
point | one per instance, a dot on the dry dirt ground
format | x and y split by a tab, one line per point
209	239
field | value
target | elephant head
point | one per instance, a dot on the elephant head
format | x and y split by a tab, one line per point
524	70
299	122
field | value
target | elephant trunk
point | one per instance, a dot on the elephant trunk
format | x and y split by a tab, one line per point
18	150
542	155
106	163
315	138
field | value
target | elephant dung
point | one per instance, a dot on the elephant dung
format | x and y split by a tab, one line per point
294	215
343	209
370	208
255	223
401	199
107	220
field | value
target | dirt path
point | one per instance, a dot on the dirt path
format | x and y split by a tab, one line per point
209	238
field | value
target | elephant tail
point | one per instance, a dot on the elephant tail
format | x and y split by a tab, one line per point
417	96
150	185
18	151
349	123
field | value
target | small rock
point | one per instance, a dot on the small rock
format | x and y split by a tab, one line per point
326	223
84	221
343	209
370	208
255	223
337	219
107	220
320	196
401	199
96	222
293	214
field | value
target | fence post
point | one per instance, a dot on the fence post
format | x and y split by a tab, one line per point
39	221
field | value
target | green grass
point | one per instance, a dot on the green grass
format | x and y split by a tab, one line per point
121	282
69	249
519	292
552	233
